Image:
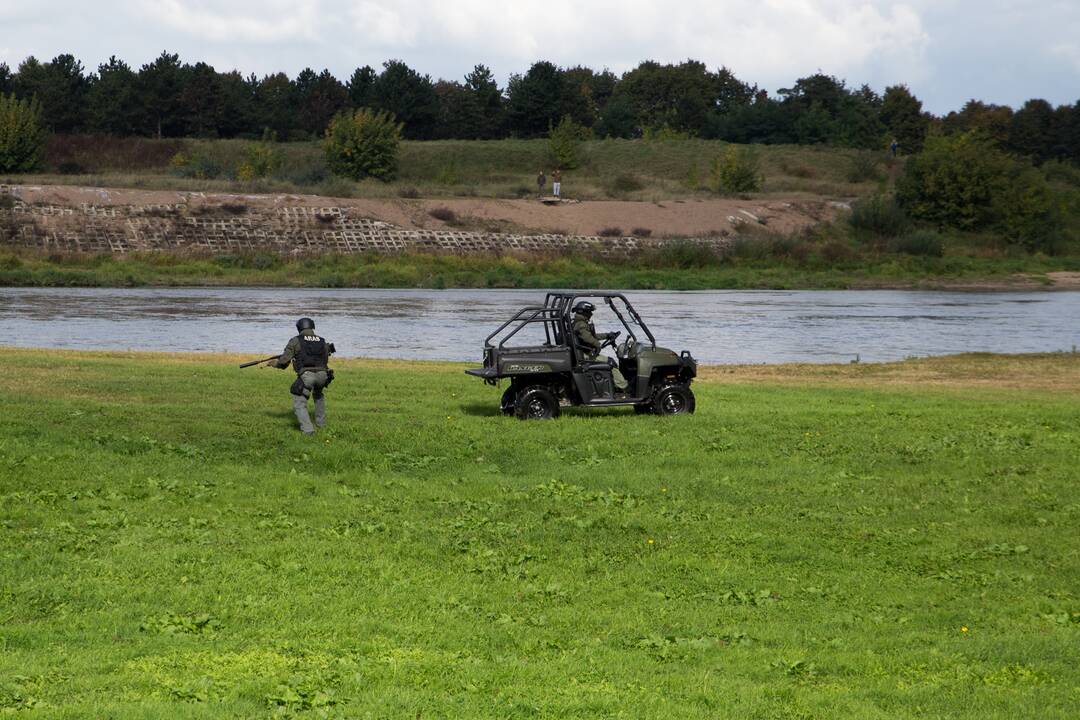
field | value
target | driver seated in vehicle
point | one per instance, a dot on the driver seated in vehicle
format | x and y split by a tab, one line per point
585	336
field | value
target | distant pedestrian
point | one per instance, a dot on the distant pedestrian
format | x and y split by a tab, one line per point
540	182
556	181
893	147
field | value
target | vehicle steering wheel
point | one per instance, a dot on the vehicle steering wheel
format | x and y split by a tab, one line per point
610	340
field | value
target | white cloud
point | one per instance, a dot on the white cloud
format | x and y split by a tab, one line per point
774	40
946	50
1069	52
254	21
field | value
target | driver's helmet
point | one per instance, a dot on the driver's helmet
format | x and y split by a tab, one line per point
305	324
584	307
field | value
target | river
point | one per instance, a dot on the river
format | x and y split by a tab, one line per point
758	326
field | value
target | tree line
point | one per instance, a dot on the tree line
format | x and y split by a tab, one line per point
169	98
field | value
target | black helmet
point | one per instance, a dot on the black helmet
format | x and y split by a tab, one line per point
584	307
305	324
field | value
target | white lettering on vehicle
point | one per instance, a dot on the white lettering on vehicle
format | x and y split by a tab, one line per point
527	368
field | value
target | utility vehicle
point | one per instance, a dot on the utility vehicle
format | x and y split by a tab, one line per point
560	371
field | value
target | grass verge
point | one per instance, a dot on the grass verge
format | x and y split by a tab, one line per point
845	541
752	264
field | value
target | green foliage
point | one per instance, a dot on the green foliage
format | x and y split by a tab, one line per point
966	182
201	165
902	115
878	216
409	97
736	171
864	167
363	143
22	138
663	133
533	100
564	143
923	243
261	160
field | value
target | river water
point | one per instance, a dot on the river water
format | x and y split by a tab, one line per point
760	326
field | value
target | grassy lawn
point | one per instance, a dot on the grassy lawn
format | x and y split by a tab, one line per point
871	541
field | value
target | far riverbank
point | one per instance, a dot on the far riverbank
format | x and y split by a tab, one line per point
676	268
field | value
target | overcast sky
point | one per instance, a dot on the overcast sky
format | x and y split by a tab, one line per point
946	51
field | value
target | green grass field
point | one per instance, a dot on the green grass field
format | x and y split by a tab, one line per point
864	541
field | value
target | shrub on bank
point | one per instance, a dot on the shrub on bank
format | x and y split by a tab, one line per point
736	171
22	138
967	183
922	243
878	216
863	167
363	143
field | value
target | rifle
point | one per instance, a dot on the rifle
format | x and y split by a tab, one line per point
257	362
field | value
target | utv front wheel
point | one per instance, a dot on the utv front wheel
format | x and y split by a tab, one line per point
536	403
673	399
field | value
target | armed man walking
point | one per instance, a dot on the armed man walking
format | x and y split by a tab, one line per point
585	336
309	355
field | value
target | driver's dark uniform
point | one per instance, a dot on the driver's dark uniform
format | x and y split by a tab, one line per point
585	333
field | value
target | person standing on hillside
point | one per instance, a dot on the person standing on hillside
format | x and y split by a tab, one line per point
540	182
309	356
556	181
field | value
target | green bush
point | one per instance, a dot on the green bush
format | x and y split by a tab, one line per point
686	254
966	182
924	243
363	143
200	166
863	167
261	159
1062	172
564	143
878	216
22	140
736	171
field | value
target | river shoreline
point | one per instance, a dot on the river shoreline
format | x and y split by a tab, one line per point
444	271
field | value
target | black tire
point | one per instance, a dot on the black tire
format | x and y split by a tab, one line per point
673	399
506	405
536	403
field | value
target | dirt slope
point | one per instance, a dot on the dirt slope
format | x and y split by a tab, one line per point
670	218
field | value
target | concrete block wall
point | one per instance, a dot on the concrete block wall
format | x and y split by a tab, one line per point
235	228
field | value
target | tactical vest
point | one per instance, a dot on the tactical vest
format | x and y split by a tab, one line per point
312	354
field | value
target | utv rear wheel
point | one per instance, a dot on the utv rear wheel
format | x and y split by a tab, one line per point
536	403
673	399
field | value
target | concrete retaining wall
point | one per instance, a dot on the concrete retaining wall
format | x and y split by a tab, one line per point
238	228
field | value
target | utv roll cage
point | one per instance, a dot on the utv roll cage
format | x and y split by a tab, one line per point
556	313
